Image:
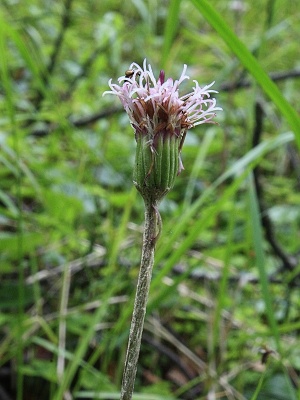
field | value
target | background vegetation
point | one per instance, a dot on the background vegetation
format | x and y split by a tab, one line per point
223	317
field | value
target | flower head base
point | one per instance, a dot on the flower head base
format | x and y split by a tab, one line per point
160	118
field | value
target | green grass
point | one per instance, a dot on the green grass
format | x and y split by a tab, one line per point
71	220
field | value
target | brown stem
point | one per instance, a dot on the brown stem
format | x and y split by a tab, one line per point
141	298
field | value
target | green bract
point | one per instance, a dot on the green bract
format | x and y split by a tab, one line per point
156	168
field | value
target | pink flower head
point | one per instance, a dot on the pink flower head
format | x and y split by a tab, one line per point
157	111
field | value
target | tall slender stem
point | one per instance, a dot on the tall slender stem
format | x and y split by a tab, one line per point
152	224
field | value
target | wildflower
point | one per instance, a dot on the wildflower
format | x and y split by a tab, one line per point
160	118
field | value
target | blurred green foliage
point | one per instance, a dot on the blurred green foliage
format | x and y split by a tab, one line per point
71	221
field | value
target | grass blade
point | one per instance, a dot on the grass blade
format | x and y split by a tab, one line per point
170	29
251	64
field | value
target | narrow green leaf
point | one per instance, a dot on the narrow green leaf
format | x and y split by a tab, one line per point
170	29
251	64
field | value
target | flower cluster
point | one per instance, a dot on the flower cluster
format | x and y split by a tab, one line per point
160	118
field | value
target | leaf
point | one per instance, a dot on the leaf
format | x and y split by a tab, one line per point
251	64
41	368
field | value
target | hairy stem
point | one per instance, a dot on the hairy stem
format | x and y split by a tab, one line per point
152	225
